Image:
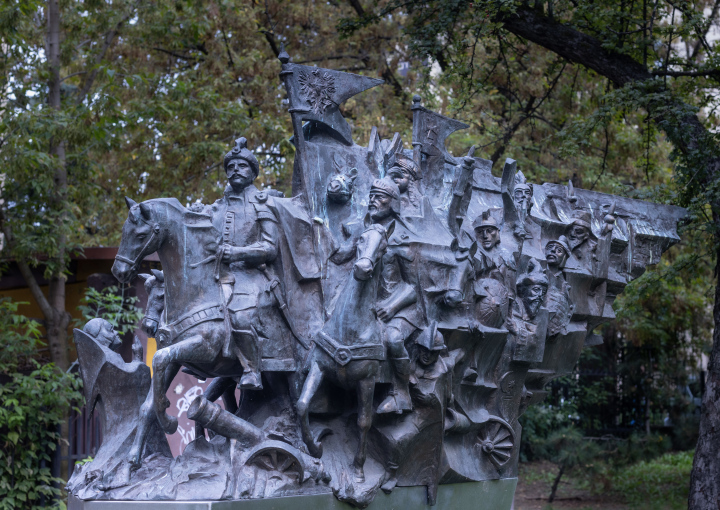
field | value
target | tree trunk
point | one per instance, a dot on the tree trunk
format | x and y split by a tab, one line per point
691	138
556	483
705	477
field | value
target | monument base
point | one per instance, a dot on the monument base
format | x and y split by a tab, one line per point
487	495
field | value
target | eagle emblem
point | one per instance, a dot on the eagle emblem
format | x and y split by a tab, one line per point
318	89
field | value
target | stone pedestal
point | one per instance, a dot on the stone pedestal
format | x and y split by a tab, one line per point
488	495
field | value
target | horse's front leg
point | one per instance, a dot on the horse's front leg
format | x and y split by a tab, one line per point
147	415
166	364
312	383
365	391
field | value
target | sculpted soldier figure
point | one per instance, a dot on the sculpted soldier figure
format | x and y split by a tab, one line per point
558	296
249	242
414	435
491	259
581	238
405	173
399	296
527	324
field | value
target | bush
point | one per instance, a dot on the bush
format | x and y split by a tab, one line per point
35	399
660	483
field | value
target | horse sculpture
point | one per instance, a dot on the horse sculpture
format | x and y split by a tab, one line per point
195	318
350	342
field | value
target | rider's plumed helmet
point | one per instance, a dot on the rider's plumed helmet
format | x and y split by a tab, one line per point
240	151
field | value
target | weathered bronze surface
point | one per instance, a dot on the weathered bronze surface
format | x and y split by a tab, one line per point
386	325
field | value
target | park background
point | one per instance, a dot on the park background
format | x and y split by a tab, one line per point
101	100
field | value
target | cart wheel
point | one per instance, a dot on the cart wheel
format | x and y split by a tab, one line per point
496	440
277	457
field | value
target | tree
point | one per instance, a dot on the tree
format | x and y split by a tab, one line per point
658	68
35	399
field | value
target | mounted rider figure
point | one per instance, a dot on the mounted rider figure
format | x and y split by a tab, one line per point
249	243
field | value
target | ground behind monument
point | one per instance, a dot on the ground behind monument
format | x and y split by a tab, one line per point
659	484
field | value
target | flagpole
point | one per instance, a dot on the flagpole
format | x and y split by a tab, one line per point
300	184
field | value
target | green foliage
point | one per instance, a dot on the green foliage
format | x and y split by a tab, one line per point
35	398
543	420
659	483
568	448
112	305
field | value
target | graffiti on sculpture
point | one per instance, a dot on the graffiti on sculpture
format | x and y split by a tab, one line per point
386	325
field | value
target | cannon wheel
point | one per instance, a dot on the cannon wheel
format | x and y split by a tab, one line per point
497	440
278	457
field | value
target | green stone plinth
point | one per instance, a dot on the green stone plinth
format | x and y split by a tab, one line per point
489	495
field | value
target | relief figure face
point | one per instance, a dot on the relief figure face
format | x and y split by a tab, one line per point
488	236
109	337
577	235
426	357
555	255
380	206
522	197
239	174
532	296
400	177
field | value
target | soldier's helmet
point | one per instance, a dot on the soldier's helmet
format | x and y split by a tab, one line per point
431	338
535	275
405	162
562	242
386	187
240	151
582	218
485	220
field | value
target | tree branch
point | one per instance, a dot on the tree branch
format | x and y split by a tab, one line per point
109	38
26	272
706	72
355	4
620	69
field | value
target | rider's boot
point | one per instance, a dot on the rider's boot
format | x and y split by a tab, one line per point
248	345
398	401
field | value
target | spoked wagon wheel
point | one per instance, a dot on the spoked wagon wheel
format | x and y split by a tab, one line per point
277	457
496	440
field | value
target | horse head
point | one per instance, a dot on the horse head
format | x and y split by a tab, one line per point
155	288
370	249
340	187
141	236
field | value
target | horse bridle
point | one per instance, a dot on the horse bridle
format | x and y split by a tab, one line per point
141	255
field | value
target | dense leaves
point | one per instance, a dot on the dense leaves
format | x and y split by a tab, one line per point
35	397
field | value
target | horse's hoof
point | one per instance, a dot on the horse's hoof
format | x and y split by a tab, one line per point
389	485
133	459
250	381
168	424
359	475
